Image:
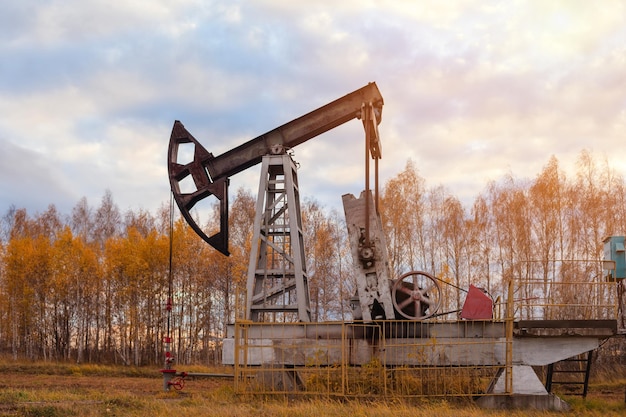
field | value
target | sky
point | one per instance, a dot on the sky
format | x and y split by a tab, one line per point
473	90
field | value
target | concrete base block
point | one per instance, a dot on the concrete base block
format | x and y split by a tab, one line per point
521	401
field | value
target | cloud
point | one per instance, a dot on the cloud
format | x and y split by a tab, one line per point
473	90
31	180
50	23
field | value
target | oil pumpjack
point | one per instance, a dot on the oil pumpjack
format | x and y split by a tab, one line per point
277	281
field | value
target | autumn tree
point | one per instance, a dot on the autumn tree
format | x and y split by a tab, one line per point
92	286
402	212
546	221
455	240
107	226
481	244
233	282
27	276
321	241
72	294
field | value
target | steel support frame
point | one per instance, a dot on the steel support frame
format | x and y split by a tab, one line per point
277	287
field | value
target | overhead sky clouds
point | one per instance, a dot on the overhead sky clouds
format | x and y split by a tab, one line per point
473	90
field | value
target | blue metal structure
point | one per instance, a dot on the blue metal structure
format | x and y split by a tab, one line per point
614	251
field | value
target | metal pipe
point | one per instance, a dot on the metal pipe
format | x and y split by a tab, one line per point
209	375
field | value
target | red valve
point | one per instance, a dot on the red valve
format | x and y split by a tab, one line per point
178	383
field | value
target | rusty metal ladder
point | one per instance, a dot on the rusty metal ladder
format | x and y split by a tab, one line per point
579	365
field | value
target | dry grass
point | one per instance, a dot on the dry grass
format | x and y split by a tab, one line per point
44	389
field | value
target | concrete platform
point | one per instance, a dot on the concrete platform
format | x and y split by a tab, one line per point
426	345
523	401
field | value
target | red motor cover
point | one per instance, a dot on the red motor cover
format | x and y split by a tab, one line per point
477	306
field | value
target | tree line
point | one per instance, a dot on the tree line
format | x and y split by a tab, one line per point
93	285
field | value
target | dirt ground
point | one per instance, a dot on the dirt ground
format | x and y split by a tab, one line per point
142	386
79	392
131	385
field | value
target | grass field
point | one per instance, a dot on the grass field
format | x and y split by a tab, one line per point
44	389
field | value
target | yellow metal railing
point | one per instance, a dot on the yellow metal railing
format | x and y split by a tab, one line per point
565	290
374	364
408	359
